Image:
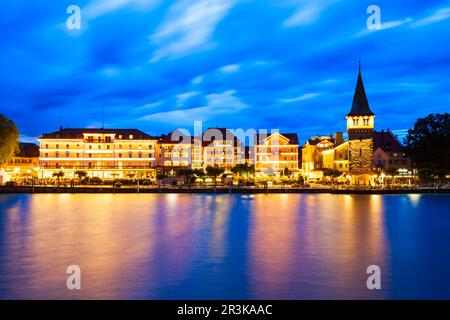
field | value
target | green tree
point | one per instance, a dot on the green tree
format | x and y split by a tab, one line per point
9	137
214	172
80	174
286	172
333	173
160	176
58	175
245	170
391	171
188	174
428	144
199	172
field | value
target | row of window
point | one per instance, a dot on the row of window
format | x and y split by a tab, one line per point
21	160
277	150
356	122
107	139
90	155
280	158
99	147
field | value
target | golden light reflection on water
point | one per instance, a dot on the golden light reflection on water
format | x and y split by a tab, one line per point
272	243
198	246
102	239
339	240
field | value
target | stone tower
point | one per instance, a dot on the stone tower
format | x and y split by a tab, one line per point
360	126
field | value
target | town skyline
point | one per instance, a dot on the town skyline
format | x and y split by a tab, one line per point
158	74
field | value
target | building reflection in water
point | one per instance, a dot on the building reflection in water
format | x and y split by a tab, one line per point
309	241
129	245
181	246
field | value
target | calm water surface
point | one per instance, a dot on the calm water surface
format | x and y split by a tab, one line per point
175	246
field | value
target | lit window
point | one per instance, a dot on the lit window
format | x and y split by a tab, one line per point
131	137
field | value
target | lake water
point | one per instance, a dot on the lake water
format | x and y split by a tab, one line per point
180	246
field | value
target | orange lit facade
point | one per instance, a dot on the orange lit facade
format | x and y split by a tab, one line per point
221	149
276	154
24	164
313	156
174	151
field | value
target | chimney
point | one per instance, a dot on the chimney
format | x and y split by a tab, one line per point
339	138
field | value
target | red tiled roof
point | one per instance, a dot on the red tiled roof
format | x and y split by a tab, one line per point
77	133
317	140
175	137
212	134
292	137
28	150
386	141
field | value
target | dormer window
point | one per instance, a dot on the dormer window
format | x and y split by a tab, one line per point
131	137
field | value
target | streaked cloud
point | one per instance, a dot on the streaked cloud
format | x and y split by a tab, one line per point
306	15
183	97
386	26
299	56
188	27
306	96
439	15
230	68
218	104
99	8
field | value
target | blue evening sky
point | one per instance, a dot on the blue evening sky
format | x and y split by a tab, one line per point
159	65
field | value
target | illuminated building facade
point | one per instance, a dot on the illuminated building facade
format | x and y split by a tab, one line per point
388	152
221	148
174	151
103	153
25	164
313	156
276	154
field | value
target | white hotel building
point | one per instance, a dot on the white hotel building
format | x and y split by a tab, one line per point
103	153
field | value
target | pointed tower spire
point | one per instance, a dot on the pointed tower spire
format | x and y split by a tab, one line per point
360	105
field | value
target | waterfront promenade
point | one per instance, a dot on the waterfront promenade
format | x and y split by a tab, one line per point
220	189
